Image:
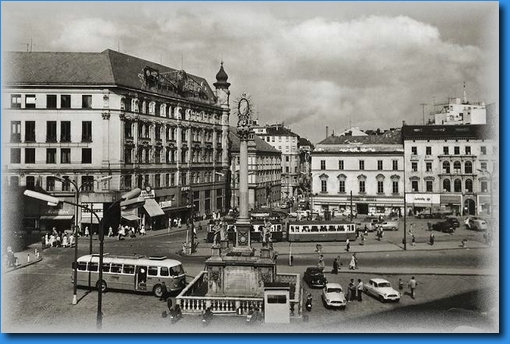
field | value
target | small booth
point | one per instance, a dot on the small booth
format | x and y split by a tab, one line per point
276	302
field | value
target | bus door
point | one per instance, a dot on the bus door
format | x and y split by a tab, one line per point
141	278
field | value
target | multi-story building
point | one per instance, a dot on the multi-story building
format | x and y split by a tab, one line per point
286	141
450	168
264	172
89	115
365	171
456	111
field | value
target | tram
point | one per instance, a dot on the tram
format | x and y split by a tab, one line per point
321	230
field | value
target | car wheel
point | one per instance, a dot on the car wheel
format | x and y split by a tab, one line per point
157	290
381	298
103	285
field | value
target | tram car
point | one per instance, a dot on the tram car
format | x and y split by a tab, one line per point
321	230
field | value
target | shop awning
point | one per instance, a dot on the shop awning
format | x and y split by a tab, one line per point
130	217
57	217
153	208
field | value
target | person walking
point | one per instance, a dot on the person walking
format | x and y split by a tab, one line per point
347	245
413	240
320	263
353	262
432	239
335	267
359	289
412	286
351	291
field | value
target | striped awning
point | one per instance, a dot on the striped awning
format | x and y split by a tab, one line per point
57	217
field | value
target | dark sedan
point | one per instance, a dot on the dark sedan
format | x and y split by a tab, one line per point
453	221
314	277
443	226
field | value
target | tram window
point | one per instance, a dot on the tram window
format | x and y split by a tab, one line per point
306	229
116	268
128	269
153	271
82	266
332	229
323	229
106	267
341	228
163	271
93	266
278	228
292	229
315	229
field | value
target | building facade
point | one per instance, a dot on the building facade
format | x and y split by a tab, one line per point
264	172
365	171
86	116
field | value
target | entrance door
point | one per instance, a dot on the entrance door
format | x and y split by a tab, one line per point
141	278
362	208
469	207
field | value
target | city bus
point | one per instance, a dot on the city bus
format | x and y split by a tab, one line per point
320	230
136	273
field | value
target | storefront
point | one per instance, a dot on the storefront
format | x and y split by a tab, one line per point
61	219
451	204
153	217
88	219
422	204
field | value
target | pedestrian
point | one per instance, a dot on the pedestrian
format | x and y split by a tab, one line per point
142	231
432	238
353	262
351	291
463	243
87	231
320	263
110	232
400	285
411	229
359	289
164	292
413	240
362	239
335	266
347	245
412	286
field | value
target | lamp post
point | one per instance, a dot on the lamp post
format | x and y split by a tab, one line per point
77	197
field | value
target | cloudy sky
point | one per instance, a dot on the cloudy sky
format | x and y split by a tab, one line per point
309	65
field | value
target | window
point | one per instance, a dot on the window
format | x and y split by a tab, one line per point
395	186
128	152
51	101
66	185
446	185
362	165
50	155
467	150
428	150
457	185
15	155
395	165
157	180
164	271
30	182
324	186
483	166
483	150
340	164
277	299
287	158
65	156
128	269
65	101
86	155
414	185
446	167
469	185
15	131
51	131
86	102
414	150
361	186
483	186
414	166
468	167
128	181
380	186
30	101
456	150
428	185
29	131
172	179
428	166
50	184
86	131
341	186
87	183
456	166
445	151
152	271
29	155
15	101
65	131
323	164
379	165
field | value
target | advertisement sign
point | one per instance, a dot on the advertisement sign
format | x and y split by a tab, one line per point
426	199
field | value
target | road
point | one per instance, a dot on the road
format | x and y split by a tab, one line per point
41	294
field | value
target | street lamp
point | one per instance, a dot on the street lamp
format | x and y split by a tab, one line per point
78	190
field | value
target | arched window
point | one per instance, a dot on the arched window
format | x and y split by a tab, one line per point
446	185
468	167
456	166
457	185
469	185
446	167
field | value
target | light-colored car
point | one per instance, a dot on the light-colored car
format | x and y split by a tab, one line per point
476	223
381	289
333	296
389	225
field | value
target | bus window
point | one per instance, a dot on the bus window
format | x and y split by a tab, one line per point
163	271
153	270
176	270
82	266
128	269
116	268
93	266
106	267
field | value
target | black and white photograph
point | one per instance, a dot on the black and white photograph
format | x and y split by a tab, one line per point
250	167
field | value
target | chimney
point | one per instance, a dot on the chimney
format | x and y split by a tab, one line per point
327	131
403	123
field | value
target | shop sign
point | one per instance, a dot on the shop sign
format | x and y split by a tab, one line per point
422	198
148	193
450	199
59	212
165	204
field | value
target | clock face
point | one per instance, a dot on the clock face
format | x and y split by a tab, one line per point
243	107
148	188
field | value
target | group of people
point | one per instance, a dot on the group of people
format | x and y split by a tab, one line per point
355	291
57	239
353	263
127	231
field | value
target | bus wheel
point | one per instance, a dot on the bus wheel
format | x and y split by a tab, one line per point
157	290
103	286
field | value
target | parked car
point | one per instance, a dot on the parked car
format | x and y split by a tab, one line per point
476	223
443	226
381	289
314	277
453	220
389	225
333	296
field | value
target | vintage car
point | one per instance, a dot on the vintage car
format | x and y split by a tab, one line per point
476	223
453	220
389	225
443	226
314	277
333	296
381	289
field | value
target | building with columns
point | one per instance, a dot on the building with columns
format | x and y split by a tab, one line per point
89	115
